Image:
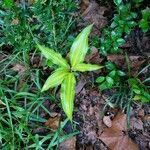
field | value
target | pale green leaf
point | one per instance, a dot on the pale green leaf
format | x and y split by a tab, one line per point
80	47
86	67
55	57
68	94
55	79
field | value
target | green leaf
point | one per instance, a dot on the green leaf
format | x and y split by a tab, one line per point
144	99
86	67
146	13
55	79
112	74
110	66
120	41
67	94
80	47
137	1
136	90
144	25
121	73
117	2
8	3
100	79
145	96
132	81
110	81
103	86
137	97
56	58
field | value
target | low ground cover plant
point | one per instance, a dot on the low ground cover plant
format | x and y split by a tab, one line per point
24	109
65	74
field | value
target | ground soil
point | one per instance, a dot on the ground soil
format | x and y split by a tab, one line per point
90	101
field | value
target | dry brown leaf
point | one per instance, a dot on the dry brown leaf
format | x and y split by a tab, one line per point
147	117
116	137
83	5
92	12
30	2
135	61
53	123
141	113
15	21
69	144
94	57
80	84
19	68
107	121
136	123
120	122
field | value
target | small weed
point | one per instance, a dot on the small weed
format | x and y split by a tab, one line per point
144	23
123	22
112	79
65	74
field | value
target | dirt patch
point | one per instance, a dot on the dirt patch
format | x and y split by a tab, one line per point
93	121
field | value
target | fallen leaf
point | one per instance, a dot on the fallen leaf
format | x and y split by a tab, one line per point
69	144
80	84
15	21
19	68
30	2
136	123
135	62
120	122
147	117
53	123
83	5
141	113
116	137
92	12
94	56
107	121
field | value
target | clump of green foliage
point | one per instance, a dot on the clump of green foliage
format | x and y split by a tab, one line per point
65	74
144	23
126	88
140	90
51	22
112	79
123	22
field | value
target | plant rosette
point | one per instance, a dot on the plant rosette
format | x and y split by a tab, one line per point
65	74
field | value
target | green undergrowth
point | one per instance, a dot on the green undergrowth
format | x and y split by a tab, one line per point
21	103
21	100
53	23
125	87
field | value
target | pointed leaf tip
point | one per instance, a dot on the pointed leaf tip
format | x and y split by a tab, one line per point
80	46
68	94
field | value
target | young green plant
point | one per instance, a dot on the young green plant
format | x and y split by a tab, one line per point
65	74
112	78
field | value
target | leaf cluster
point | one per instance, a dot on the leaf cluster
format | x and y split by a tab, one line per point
123	22
112	79
65	74
23	22
144	23
140	91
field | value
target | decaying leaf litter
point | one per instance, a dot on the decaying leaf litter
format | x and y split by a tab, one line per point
99	128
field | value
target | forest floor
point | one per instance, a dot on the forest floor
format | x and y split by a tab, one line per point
97	123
